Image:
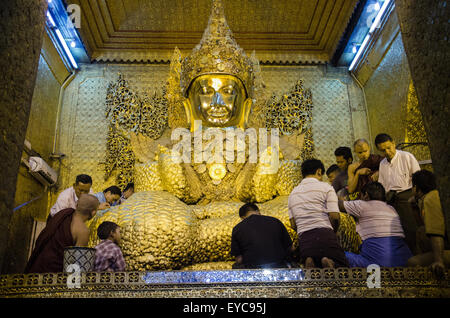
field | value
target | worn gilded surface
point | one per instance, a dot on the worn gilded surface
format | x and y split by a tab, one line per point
391	97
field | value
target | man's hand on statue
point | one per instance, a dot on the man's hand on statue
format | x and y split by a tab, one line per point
438	269
374	176
103	206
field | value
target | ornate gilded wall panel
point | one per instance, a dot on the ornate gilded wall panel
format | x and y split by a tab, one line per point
332	120
83	126
387	91
415	130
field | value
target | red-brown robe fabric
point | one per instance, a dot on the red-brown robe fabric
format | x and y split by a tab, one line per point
373	163
48	255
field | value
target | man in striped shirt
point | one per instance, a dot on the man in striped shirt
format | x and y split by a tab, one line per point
380	229
313	207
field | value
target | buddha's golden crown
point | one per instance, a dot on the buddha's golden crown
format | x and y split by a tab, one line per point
217	53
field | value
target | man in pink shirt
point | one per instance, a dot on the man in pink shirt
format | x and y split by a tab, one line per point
69	197
314	214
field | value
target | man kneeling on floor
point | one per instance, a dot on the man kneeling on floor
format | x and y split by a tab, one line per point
378	224
314	214
259	241
432	240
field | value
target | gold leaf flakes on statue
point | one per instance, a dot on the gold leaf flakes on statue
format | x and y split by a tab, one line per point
289	176
348	238
147	177
209	266
157	231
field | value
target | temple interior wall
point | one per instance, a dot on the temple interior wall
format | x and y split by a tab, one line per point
391	99
40	133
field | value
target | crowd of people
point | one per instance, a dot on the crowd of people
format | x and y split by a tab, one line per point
395	205
66	227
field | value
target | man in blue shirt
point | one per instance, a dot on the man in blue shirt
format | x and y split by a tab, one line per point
109	197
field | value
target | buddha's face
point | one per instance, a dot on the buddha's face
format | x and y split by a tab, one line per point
218	101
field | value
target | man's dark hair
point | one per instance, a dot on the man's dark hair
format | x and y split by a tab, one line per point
129	186
105	229
83	178
424	180
380	138
248	207
310	166
345	152
375	190
113	190
332	168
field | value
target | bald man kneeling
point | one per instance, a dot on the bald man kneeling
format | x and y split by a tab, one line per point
66	228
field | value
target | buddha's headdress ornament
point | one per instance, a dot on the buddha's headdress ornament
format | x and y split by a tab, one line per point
217	53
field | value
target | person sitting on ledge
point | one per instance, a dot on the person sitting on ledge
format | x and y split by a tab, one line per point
69	197
380	229
109	197
432	241
332	172
363	171
259	241
108	255
65	229
127	192
313	208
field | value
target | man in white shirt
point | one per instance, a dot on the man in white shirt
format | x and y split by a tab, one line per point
314	213
69	197
395	174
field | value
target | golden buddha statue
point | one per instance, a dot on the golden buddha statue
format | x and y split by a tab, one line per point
186	205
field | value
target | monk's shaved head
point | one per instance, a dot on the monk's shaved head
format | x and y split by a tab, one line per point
360	142
87	203
362	149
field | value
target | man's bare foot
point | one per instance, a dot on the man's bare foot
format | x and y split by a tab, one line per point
327	263
309	263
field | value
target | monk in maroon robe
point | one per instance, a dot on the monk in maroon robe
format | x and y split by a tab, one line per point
364	171
65	229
